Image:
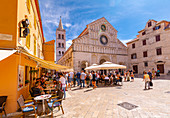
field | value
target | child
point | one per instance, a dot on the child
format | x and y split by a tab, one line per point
132	77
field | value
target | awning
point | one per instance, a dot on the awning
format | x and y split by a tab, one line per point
6	53
45	64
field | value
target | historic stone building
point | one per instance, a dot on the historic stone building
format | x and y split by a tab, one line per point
60	41
96	44
151	48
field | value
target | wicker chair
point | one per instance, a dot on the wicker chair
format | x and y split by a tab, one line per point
56	102
26	107
2	104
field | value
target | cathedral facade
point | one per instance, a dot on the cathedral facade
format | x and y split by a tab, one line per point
96	44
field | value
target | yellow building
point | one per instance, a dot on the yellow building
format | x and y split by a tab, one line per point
48	50
20	55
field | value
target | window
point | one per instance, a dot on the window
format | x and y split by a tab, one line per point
35	46
157	38
145	54
159	51
149	24
35	21
146	64
143	33
28	5
28	41
62	52
59	45
59	36
133	45
157	27
144	42
133	56
62	36
59	53
63	45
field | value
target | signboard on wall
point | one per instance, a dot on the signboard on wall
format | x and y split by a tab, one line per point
20	76
6	37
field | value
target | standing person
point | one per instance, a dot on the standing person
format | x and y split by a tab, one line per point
153	73
106	79
150	76
87	80
82	77
63	84
90	75
132	77
125	75
78	78
147	80
74	79
128	75
94	80
71	77
158	73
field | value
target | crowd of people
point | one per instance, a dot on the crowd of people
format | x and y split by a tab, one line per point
67	80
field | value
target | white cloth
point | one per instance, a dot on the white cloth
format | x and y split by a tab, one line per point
63	81
90	76
71	74
83	75
106	77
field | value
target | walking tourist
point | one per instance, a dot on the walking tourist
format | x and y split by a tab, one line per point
150	76
63	84
94	80
132	77
153	73
87	80
82	77
78	78
71	77
147	80
158	73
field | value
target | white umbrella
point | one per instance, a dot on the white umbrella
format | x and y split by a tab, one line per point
92	67
68	70
110	65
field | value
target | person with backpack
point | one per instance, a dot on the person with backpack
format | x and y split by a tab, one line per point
94	80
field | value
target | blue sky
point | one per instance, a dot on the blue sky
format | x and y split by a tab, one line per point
126	16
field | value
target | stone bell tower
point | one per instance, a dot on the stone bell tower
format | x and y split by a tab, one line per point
60	41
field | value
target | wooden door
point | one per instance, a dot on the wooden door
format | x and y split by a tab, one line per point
161	68
135	68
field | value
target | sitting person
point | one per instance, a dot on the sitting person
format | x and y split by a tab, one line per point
106	79
43	83
36	90
38	85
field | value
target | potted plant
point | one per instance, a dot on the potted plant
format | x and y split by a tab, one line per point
26	82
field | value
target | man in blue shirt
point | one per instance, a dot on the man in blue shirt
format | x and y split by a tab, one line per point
78	78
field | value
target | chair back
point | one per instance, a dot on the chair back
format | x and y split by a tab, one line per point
60	94
2	100
20	102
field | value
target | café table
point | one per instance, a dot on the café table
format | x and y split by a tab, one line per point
43	97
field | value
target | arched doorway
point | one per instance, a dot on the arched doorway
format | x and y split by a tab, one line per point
102	61
83	65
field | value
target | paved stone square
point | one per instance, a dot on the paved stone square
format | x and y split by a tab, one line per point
102	102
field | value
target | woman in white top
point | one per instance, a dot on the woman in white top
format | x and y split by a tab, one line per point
63	83
106	79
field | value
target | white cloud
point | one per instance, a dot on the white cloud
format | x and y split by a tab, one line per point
68	44
68	25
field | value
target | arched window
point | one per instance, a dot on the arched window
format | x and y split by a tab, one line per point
62	36
62	52
59	53
63	45
59	36
59	45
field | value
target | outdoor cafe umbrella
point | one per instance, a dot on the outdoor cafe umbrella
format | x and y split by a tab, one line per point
92	67
109	65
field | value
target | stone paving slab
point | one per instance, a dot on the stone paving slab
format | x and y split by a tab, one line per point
102	102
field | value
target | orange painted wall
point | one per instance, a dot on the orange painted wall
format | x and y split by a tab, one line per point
8	83
8	22
9	79
48	50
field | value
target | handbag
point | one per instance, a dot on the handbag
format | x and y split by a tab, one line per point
150	83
